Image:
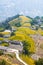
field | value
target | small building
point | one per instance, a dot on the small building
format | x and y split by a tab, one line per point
6	33
6	41
16	45
16	42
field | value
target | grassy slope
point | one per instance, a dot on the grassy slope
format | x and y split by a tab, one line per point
10	59
27	59
21	19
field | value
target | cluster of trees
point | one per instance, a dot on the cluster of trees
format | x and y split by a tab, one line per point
28	43
18	24
39	62
4	25
26	47
37	20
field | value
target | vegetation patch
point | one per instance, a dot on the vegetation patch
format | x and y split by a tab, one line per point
27	59
4	44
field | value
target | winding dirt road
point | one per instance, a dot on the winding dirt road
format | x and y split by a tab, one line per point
15	51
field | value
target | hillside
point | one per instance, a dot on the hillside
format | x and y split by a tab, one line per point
20	21
9	59
17	21
25	30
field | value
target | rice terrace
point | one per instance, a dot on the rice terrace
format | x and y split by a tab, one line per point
21	32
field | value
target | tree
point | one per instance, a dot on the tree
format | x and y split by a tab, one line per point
26	47
1	35
42	19
18	24
39	62
12	34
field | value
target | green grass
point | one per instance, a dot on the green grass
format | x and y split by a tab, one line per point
1	39
4	44
27	59
1	29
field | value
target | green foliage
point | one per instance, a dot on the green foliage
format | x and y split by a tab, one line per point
39	62
26	47
1	39
27	59
4	44
29	44
18	24
1	52
12	34
1	29
42	18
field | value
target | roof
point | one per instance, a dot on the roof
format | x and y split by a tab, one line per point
7	31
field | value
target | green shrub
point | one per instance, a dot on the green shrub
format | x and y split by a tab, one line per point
39	62
1	52
26	47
